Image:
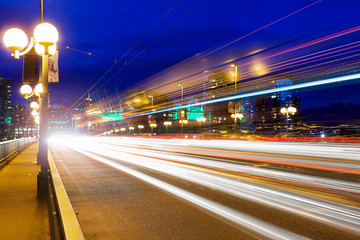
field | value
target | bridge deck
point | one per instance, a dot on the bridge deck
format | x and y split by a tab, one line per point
22	214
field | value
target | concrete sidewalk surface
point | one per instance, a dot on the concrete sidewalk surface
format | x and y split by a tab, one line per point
22	214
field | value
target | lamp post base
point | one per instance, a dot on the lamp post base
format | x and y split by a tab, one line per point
42	184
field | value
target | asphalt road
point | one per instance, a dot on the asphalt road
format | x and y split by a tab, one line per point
130	188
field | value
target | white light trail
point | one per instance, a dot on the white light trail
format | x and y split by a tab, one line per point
256	226
335	214
349	153
262	92
328	212
232	166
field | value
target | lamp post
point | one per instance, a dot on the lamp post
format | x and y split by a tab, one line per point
28	91
45	37
131	129
182	116
167	123
153	125
183	121
123	129
287	111
34	105
140	127
182	92
182	99
35	113
235	116
234	65
200	120
152	103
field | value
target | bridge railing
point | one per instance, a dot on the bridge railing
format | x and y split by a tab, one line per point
7	148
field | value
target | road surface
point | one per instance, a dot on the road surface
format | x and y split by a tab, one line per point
142	188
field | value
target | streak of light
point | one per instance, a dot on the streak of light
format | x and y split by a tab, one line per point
231	166
256	226
236	40
335	214
263	92
343	158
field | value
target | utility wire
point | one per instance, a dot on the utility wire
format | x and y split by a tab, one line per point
87	53
89	89
246	35
148	46
217	49
152	28
238	39
117	61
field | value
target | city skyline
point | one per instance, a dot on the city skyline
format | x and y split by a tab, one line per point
76	76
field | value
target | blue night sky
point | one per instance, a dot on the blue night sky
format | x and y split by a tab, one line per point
109	28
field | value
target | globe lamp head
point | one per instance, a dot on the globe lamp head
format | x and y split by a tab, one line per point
46	34
15	39
25	89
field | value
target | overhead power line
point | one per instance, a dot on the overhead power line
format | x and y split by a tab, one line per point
152	28
238	39
117	61
148	46
87	53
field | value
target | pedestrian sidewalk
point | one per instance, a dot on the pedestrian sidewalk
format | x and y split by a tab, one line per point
22	214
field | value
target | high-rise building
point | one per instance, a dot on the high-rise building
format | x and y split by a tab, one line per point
268	107
215	83
22	123
5	109
56	121
18	120
248	111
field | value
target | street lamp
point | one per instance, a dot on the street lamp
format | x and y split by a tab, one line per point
41	49
234	65
16	40
182	92
152	103
167	123
34	113
34	105
183	121
140	127
236	116
28	92
37	119
45	34
153	125
200	120
287	111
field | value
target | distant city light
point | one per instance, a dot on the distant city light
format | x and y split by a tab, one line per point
263	92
